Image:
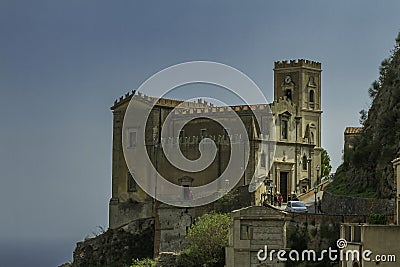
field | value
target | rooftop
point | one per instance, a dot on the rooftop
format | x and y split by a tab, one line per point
353	130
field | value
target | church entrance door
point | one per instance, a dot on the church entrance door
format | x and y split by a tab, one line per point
283	185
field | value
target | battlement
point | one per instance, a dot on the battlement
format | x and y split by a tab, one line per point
223	139
297	63
123	99
222	109
165	102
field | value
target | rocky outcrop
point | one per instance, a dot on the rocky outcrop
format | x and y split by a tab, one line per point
117	247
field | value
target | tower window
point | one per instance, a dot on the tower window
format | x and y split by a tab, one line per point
262	160
186	192
288	94
304	162
131	183
132	138
311	96
284	129
186	183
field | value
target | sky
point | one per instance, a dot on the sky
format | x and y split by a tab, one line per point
63	63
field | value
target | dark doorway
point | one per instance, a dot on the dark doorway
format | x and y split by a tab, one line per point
283	185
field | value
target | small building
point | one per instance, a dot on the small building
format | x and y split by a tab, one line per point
350	139
251	229
350	134
369	245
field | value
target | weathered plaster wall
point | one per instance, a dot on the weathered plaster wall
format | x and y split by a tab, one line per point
125	212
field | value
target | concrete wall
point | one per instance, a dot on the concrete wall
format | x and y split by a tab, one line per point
381	240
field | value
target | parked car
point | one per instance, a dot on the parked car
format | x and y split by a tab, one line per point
296	206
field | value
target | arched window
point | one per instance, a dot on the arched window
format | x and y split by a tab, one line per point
131	183
288	94
262	160
304	161
311	96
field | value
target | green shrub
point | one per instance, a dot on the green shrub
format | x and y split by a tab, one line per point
374	218
143	263
207	240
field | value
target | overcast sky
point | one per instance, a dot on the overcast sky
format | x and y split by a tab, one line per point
62	64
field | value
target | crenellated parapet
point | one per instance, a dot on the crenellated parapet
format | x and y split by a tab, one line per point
222	110
123	99
164	102
297	63
222	139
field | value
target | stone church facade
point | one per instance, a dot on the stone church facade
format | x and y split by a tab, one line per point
296	110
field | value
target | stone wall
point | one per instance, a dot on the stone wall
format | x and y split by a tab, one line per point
174	224
125	212
312	235
117	247
333	204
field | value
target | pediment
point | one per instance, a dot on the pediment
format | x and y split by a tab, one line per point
285	114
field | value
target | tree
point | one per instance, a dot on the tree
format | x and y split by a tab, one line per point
369	169
325	163
363	116
207	240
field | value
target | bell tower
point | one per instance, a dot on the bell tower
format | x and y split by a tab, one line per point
297	93
300	82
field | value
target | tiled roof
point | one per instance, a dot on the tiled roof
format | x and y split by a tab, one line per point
352	130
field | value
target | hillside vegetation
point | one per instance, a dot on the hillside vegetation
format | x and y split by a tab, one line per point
367	169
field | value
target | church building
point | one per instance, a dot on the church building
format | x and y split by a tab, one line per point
296	111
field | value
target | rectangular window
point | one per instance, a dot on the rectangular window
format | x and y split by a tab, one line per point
132	138
186	192
131	183
347	232
284	129
304	162
203	132
357	234
246	232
